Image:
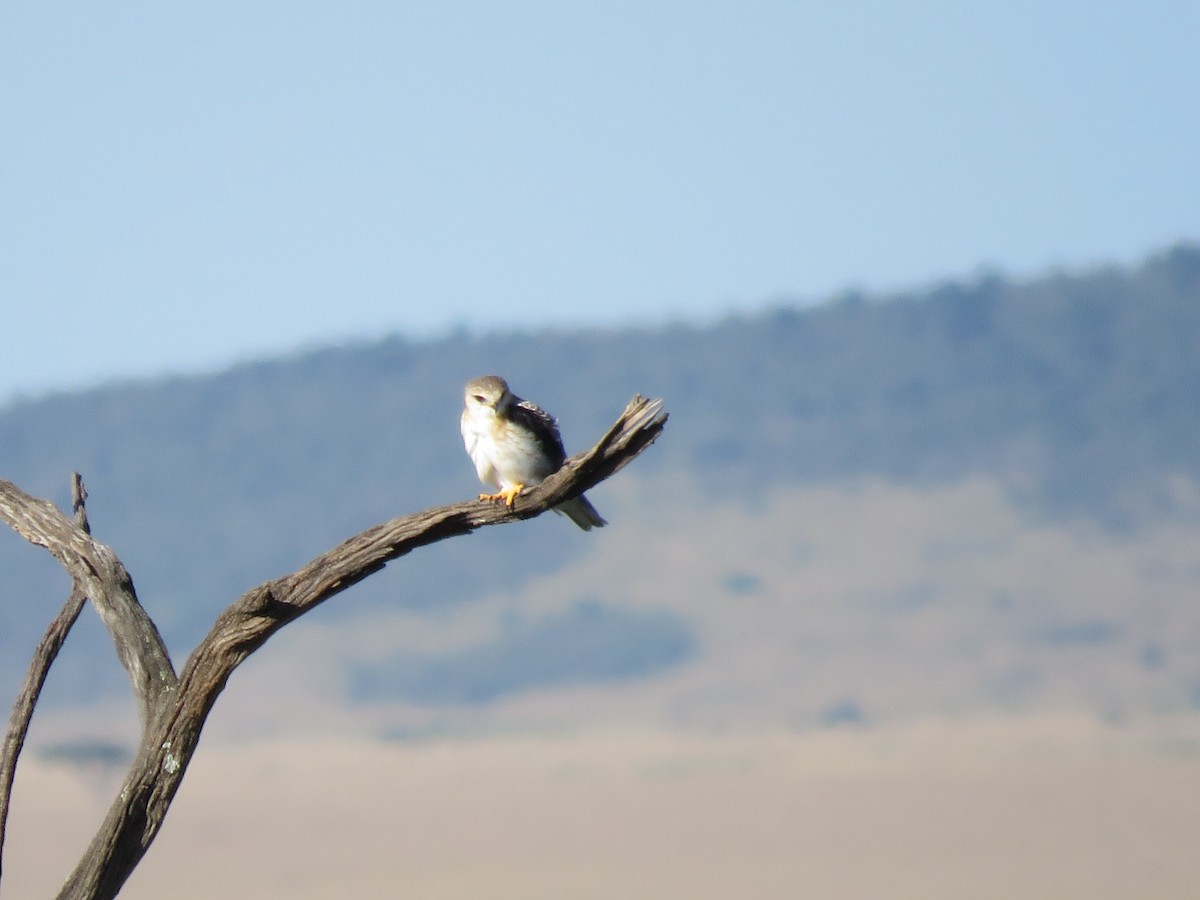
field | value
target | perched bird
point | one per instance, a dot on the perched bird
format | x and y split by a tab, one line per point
514	444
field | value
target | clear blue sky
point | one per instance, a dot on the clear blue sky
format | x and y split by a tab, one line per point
183	185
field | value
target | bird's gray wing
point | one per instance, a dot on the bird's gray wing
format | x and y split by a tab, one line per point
543	427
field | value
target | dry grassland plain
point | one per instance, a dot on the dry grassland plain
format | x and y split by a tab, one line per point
990	808
1008	745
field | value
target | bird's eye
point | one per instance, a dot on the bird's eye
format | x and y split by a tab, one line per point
479	398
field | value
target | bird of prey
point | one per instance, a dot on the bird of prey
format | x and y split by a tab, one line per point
515	444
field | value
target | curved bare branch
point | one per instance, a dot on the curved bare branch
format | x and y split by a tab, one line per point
100	576
35	678
175	713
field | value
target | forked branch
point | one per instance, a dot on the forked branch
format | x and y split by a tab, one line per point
174	709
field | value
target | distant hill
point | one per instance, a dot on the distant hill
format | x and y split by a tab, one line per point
1078	392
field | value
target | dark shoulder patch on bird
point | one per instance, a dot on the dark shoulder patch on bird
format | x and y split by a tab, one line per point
543	426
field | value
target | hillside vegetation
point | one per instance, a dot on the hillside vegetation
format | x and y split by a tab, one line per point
1077	394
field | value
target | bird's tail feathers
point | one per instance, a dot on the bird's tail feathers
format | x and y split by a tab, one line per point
580	511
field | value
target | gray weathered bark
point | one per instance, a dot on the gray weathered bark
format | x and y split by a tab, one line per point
174	707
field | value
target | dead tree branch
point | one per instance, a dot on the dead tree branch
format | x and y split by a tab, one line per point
31	689
174	710
101	577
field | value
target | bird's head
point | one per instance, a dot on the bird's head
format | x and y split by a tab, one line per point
488	395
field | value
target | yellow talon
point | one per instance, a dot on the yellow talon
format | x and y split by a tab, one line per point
508	495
